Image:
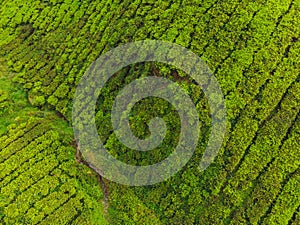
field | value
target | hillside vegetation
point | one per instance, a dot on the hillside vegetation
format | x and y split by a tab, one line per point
40	180
253	49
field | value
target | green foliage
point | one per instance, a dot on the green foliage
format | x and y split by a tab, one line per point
252	48
40	180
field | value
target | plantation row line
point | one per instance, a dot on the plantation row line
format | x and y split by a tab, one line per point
246	126
16	160
227	32
259	96
40	181
286	204
187	30
246	54
267	187
265	96
260	108
45	195
31	162
255	157
235	198
32	176
271	117
14	134
20	143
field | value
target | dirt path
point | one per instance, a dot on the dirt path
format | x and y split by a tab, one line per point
79	159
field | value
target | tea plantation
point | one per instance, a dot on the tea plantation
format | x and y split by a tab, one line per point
252	48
